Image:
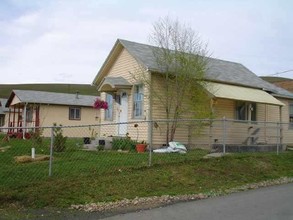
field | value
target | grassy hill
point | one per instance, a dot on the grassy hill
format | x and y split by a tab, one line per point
275	79
83	89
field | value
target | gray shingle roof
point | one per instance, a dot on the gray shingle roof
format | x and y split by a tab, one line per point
41	97
217	70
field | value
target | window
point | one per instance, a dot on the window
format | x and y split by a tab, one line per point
2	120
291	115
74	113
138	101
29	114
109	111
246	111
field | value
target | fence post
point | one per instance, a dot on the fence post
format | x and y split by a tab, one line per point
278	137
150	130
224	134
211	134
51	151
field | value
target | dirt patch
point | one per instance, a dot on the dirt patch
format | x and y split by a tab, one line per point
28	159
3	149
215	155
263	165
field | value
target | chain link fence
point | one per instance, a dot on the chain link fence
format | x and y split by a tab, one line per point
52	152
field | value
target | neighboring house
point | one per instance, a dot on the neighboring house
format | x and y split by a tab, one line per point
3	112
33	109
236	93
284	83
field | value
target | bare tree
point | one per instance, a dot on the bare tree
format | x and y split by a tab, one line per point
181	59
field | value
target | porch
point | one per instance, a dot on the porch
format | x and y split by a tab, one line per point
21	118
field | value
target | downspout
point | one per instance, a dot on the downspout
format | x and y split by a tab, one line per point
24	121
213	102
150	122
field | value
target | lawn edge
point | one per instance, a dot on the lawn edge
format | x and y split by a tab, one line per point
142	203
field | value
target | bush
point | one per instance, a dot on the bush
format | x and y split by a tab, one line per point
59	139
100	147
123	143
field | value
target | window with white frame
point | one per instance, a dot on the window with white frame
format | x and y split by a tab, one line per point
291	115
138	101
74	113
109	111
245	111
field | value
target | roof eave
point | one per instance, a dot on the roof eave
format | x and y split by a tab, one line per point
10	98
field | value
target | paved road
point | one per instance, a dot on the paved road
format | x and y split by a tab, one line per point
274	203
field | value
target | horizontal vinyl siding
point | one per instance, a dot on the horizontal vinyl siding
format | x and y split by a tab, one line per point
238	133
185	132
261	112
159	113
196	135
273	113
126	66
224	108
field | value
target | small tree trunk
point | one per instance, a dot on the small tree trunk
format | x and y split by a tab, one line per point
174	122
173	130
167	133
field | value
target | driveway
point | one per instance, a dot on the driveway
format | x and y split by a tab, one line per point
274	203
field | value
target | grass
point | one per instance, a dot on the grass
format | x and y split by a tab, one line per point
83	177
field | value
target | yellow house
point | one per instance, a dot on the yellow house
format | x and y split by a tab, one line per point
33	109
237	94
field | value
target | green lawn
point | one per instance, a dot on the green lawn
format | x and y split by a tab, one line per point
80	176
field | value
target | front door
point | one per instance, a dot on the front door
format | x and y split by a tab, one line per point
122	114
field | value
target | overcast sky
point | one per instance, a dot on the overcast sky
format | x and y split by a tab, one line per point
67	41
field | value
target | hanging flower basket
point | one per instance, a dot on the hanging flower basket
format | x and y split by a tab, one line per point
100	104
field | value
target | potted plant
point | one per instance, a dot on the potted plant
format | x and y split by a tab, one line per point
141	146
